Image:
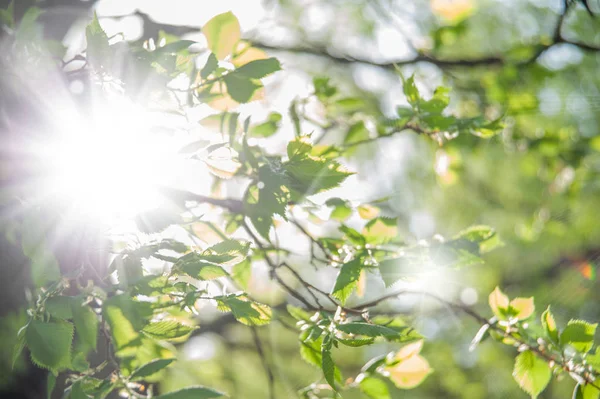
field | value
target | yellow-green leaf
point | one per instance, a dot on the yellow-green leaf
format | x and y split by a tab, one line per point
523	307
410	372
498	302
222	34
531	373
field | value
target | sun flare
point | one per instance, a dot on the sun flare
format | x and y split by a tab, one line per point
107	167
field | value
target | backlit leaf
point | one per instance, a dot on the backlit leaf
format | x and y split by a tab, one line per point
347	279
409	372
374	388
380	230
245	311
222	34
579	334
531	373
149	369
549	325
167	329
498	302
522	307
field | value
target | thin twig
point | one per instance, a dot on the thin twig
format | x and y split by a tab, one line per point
273	271
265	363
484	321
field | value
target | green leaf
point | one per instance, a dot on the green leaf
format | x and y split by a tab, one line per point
240	87
394	269
258	69
323	90
268	128
7	16
228	252
149	369
222	34
77	392
327	365
126	317
19	346
44	267
353	236
168	329
410	91
79	361
531	373
347	280
310	175
196	392
374	388
50	343
586	391
369	330
579	334
242	273
245	311
341	209
380	230
86	325
174	47
438	102
211	65
350	104
98	48
311	353
357	132
299	148
61	306
484	236
29	29
357	342
197	267
98	388
129	270
549	325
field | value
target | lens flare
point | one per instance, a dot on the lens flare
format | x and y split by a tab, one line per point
106	167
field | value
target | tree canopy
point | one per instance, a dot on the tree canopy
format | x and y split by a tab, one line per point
357	199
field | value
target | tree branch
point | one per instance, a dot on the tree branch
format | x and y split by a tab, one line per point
490	60
536	348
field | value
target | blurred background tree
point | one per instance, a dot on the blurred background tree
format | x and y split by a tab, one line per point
532	63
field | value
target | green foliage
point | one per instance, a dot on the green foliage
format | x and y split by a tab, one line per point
167	329
347	279
86	325
245	311
192	393
222	34
258	69
374	388
98	48
50	343
531	373
141	312
149	369
579	334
